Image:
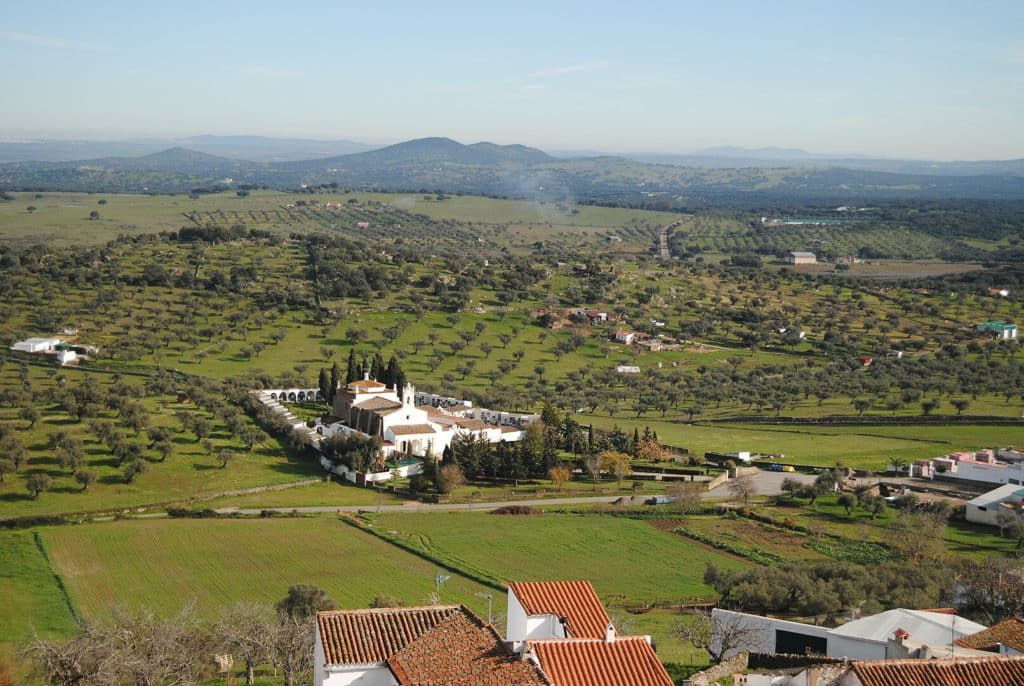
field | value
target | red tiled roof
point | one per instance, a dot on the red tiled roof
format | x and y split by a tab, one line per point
962	671
462	651
1009	632
575	601
628	661
378	404
372	636
472	424
363	383
410	429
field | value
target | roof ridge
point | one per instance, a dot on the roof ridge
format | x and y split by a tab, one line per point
384	610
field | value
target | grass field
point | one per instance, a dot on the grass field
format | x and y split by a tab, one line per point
33	602
870	447
623	558
162	564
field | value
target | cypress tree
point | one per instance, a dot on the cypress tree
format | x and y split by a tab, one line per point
324	383
377	368
352	374
335	381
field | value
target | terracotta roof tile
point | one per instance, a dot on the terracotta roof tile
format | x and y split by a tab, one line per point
1009	632
473	424
463	651
372	636
409	429
628	661
575	601
963	671
378	404
363	383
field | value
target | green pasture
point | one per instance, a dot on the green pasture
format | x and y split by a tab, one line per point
865	447
33	600
624	558
163	564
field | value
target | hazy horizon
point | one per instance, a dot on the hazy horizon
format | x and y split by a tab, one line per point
928	81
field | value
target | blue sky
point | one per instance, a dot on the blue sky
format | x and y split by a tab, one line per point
937	80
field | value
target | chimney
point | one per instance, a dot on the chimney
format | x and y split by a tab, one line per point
609	633
900	636
366	375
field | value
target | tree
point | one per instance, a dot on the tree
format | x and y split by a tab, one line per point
651	450
6	467
30	414
861	404
687	495
559	476
743	487
991	588
616	463
875	505
960	404
592	463
165	448
134	468
85	477
791	487
730	634
94	215
929	406
225	456
449	477
247	630
848	501
303	602
324	383
38	483
124	648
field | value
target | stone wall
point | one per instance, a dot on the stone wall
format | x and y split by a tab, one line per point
736	663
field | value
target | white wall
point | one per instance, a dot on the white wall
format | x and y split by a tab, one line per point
521	626
358	676
757	633
855	648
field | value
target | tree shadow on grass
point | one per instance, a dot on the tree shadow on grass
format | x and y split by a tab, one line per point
204	467
15	497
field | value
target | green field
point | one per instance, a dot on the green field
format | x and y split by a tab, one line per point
863	447
163	564
624	558
34	602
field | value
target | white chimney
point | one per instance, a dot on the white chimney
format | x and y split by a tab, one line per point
609	633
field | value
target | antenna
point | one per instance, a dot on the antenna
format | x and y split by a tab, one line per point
440	579
489	597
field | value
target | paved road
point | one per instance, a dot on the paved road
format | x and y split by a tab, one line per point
768	483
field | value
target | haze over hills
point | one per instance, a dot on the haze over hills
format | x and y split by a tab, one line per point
516	170
251	148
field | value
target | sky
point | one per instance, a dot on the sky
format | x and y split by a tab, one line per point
929	80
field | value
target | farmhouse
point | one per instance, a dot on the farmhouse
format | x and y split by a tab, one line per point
35	345
1001	330
884	635
624	336
801	258
987	507
368	408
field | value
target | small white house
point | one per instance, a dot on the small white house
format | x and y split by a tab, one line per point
66	356
798	257
627	337
985	509
36	345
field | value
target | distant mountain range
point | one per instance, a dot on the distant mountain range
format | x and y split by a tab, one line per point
250	148
713	175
